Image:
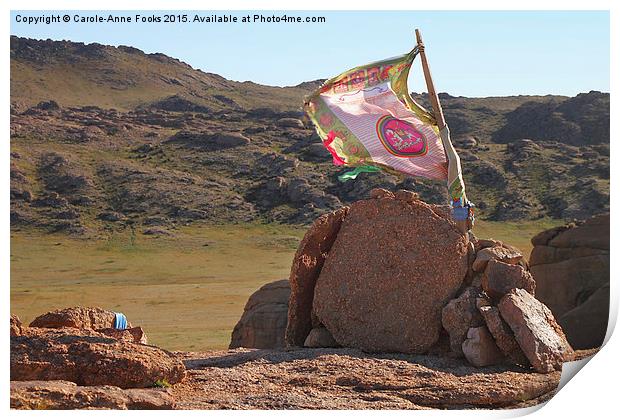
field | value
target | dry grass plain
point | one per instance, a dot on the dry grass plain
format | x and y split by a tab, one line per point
187	291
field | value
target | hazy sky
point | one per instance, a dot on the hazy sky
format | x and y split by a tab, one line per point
471	53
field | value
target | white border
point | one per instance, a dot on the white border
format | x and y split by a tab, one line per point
591	395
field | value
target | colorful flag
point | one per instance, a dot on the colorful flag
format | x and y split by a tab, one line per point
367	119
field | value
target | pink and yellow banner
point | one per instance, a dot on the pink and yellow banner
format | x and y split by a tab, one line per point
366	116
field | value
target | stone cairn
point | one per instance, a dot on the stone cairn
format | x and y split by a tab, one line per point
393	274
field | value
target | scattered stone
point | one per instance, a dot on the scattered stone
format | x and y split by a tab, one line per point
479	348
307	264
499	278
536	331
76	317
134	335
110	216
377	193
459	315
499	253
263	323
504	338
230	139
156	232
89	358
320	337
64	395
290	122
393	264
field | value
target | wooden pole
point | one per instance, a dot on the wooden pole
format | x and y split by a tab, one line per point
454	164
434	98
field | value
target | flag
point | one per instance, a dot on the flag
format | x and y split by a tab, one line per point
367	120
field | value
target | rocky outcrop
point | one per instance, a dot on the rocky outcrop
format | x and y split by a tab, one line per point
571	265
536	331
89	358
351	379
64	395
306	267
392	268
264	318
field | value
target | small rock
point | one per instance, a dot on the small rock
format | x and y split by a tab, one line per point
480	349
406	195
320	337
459	315
504	338
290	122
16	325
499	278
376	193
501	253
538	334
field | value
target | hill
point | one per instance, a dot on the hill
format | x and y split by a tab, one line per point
112	138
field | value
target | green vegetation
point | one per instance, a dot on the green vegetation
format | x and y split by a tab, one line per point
187	291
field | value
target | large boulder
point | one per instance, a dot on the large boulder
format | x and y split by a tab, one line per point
90	358
570	265
536	331
394	265
64	395
307	265
264	318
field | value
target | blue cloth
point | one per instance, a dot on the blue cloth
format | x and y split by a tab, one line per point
460	213
120	321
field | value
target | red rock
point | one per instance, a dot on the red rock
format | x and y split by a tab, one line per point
264	318
307	265
502	253
593	233
459	315
504	338
486	243
89	358
16	325
320	337
377	193
64	395
536	331
479	348
393	267
134	334
499	278
406	195
78	317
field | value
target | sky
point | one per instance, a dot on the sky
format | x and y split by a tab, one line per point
471	53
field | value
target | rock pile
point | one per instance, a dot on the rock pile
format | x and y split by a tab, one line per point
572	270
74	358
393	274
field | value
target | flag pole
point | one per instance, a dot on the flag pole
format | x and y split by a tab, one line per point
456	186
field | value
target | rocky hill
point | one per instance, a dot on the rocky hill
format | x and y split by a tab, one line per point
105	137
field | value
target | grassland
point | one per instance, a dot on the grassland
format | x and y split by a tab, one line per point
187	291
